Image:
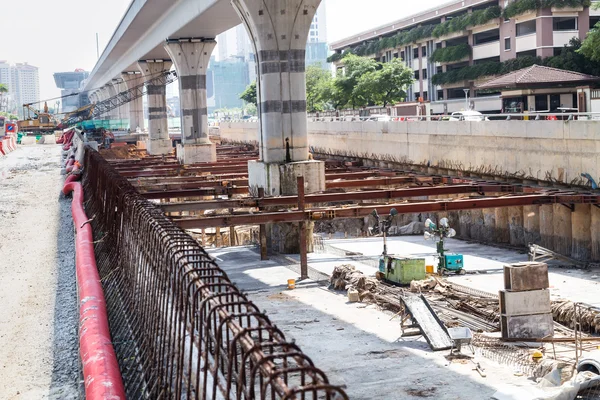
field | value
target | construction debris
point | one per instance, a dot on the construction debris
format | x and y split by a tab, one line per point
588	316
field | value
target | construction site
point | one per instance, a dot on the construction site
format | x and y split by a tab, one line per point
342	255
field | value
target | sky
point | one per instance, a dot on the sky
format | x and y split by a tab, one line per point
60	35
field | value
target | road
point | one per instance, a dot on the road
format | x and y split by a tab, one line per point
38	317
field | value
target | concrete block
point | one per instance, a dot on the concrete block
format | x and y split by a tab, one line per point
196	153
281	179
159	146
525	303
526	276
527	326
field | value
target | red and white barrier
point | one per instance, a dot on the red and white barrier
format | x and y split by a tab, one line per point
8	144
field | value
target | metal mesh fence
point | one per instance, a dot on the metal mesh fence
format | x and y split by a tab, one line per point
180	328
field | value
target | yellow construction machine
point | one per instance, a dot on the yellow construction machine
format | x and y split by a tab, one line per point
36	121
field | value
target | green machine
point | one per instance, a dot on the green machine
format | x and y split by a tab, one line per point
446	261
396	269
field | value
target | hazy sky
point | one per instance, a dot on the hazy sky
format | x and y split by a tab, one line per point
60	35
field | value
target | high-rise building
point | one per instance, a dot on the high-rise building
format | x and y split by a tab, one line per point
70	83
317	49
226	80
23	84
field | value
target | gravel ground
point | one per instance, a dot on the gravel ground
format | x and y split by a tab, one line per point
39	356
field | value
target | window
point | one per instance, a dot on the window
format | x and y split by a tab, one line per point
424	51
417	95
541	102
507	44
486	60
439	70
456	94
438	45
564	23
528	53
425	96
594	20
526	28
554	102
486	37
402	55
417	75
424	74
440	95
416	53
395	55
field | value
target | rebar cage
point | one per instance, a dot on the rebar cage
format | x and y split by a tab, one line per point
180	328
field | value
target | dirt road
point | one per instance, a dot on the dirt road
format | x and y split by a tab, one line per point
38	313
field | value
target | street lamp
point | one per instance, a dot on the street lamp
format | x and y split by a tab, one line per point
466	99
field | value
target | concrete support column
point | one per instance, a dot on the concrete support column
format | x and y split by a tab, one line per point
547	226
124	109
581	243
191	58
531	224
136	107
563	233
279	30
105	94
158	127
112	91
595	233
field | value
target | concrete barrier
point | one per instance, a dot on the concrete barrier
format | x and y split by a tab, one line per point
543	150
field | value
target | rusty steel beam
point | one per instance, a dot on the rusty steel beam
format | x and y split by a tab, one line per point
403	208
399	180
183	171
208	191
168	186
339	197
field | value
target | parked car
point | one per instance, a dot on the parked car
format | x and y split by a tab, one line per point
468	116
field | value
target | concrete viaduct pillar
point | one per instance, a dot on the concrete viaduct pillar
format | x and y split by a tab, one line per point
105	94
191	58
279	30
158	127
135	107
112	91
124	108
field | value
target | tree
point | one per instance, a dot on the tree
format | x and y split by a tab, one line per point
318	82
591	45
3	90
386	85
249	95
355	67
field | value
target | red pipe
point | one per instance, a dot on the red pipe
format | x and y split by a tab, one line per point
101	372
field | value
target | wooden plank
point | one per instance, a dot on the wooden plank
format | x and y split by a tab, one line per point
432	328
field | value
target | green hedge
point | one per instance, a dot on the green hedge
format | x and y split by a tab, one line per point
519	7
461	23
452	53
491	68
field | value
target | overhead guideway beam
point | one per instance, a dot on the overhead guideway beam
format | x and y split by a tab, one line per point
142	31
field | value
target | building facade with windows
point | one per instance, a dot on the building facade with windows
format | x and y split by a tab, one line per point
459	45
70	84
23	84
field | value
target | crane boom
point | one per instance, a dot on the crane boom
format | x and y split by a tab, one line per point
104	106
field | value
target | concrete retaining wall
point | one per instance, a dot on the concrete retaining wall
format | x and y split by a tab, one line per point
546	150
539	150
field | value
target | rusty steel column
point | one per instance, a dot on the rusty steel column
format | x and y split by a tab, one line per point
303	238
263	231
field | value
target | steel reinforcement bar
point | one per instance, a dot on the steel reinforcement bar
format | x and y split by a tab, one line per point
180	328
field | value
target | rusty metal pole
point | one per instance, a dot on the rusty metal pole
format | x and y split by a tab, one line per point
302	227
262	231
231	232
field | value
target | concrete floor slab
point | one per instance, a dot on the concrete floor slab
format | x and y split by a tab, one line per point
355	344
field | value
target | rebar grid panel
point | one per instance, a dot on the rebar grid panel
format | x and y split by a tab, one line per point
180	328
